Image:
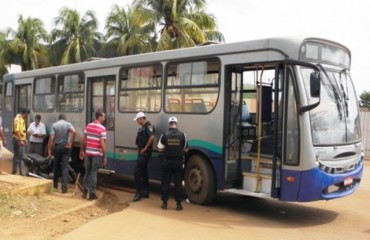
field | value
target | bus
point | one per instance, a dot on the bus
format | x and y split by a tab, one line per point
270	118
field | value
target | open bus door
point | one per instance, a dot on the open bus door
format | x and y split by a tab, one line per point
252	123
101	96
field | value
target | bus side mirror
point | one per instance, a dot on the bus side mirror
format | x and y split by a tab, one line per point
315	85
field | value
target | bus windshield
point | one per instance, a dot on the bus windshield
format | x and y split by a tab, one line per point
335	120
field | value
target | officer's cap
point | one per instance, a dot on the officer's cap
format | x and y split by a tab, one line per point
172	119
139	115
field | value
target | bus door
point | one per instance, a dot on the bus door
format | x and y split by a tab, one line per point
14	101
22	100
101	96
232	144
254	121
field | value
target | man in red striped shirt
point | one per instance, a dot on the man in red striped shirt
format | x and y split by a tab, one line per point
93	150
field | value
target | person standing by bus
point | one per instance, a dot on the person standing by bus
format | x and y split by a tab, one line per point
144	140
62	136
93	151
19	140
173	144
37	132
3	142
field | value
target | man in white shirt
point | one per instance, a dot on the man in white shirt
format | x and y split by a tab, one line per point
37	133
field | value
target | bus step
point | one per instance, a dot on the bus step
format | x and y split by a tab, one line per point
247	193
106	171
257	182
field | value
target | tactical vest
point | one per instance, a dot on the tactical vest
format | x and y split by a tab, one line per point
174	144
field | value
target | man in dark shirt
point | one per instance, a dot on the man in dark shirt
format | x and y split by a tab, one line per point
173	144
144	141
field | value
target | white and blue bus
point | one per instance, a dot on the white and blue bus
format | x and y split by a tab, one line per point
271	118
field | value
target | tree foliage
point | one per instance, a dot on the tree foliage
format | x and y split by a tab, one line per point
74	38
27	44
128	32
365	98
145	26
181	23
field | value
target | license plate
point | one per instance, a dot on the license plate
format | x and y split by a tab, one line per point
348	181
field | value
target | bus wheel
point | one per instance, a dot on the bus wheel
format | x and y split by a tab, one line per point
200	182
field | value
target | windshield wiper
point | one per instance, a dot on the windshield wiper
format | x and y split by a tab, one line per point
345	93
332	87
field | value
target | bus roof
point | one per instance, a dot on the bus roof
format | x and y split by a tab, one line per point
289	47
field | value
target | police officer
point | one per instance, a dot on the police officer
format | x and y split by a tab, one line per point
173	144
144	141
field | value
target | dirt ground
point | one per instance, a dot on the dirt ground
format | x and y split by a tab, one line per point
47	215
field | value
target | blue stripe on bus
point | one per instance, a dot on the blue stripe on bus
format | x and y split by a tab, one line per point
212	149
207	145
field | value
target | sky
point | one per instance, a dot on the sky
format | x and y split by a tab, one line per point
343	21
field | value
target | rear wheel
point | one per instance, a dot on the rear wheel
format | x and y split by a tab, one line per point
200	181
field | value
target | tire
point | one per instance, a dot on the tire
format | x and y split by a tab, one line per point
200	181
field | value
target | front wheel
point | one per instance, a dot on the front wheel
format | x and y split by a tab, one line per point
200	181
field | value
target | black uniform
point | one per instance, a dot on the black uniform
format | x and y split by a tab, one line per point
175	142
141	170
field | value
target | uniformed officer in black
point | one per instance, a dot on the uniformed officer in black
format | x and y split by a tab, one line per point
173	144
144	141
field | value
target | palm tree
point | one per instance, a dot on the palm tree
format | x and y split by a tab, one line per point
128	33
27	47
182	23
3	60
74	39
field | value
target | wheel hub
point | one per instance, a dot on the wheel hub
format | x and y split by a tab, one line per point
195	180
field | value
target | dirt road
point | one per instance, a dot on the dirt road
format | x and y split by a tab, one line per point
230	217
238	217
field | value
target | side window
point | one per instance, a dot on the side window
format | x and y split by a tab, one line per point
140	89
44	94
9	100
192	87
71	93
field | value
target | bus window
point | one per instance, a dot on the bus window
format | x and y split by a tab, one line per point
140	89
70	93
9	100
194	85
44	94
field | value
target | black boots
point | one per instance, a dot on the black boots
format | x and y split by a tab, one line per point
84	194
164	205
179	207
92	196
137	197
145	193
141	194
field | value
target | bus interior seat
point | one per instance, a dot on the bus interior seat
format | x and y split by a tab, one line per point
248	129
245	113
188	106
198	105
174	105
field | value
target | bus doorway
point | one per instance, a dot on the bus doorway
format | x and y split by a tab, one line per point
252	123
22	100
102	97
23	95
